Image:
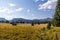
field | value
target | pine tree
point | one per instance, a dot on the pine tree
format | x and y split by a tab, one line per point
56	20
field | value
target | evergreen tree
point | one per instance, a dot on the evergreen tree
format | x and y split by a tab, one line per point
56	20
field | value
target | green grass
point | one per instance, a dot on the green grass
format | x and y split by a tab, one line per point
27	32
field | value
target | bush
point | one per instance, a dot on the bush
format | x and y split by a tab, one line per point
39	23
32	24
7	21
13	23
49	25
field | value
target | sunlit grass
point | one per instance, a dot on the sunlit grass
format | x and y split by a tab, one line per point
27	32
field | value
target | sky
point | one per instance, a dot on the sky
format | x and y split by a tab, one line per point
27	9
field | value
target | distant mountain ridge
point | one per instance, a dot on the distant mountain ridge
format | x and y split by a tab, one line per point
19	20
3	20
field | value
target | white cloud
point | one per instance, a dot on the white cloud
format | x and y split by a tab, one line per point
3	9
28	10
9	17
50	4
9	11
19	9
6	10
11	4
35	0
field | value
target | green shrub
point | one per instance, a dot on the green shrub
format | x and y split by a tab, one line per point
13	23
32	23
49	25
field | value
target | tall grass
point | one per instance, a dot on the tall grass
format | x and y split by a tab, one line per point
27	32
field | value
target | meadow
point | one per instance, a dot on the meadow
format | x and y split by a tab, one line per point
28	32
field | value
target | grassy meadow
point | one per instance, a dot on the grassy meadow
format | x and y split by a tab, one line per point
28	32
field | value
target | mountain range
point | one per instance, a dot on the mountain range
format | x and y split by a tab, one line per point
20	20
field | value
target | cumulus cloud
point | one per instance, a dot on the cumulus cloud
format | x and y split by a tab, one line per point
5	10
50	4
9	11
19	9
11	4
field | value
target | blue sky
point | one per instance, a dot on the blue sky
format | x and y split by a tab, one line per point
28	9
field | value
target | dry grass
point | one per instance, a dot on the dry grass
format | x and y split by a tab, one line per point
27	32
